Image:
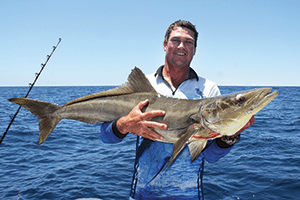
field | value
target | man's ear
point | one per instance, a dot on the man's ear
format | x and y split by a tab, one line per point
165	45
194	50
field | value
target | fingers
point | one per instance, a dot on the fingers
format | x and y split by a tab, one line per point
151	124
145	125
231	140
149	114
248	124
148	133
252	120
136	122
145	129
142	104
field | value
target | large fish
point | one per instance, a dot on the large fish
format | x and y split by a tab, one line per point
191	122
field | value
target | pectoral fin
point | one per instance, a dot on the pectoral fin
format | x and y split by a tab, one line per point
196	147
181	143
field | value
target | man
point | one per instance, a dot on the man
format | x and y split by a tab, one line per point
183	179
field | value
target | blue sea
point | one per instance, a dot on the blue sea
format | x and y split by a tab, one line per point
74	163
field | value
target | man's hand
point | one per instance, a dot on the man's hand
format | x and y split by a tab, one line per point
136	122
231	140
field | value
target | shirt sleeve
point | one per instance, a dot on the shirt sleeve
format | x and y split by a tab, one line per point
213	152
109	133
215	91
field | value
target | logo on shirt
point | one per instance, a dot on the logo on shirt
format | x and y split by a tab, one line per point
199	93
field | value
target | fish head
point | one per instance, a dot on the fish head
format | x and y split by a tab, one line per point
227	114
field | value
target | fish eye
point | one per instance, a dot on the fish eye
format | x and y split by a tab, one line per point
240	98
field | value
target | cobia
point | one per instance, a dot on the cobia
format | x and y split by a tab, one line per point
191	122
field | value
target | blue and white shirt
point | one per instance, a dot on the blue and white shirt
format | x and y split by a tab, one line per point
183	179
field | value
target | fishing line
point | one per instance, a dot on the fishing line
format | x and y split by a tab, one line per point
43	65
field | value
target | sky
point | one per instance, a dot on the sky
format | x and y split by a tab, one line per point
241	42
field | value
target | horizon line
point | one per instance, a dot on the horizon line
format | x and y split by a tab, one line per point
221	85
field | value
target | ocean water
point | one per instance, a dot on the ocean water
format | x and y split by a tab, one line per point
73	162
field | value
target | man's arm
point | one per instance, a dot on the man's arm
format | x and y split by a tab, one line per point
109	133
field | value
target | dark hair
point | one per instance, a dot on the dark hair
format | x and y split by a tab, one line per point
184	24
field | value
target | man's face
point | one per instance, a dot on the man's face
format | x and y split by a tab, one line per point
180	48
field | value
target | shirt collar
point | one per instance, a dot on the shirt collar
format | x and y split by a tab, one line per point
192	73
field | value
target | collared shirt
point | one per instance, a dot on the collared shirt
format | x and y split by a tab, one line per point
194	87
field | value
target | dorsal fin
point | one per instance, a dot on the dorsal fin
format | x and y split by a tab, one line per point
136	82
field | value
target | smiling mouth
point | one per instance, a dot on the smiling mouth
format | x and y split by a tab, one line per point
180	54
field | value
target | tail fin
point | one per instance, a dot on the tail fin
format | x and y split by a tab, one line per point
44	112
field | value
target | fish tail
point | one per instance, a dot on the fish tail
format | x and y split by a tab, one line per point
44	112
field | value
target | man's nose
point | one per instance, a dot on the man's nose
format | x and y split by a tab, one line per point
181	45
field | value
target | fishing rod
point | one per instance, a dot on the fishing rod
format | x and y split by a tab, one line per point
43	65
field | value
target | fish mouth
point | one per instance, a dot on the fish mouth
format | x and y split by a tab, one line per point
264	98
272	94
268	96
